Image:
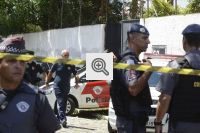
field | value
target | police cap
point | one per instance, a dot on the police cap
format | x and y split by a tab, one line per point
14	45
138	29
192	29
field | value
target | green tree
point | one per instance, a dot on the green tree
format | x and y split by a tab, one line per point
93	12
21	16
161	8
114	12
69	13
49	14
193	6
17	16
170	2
134	10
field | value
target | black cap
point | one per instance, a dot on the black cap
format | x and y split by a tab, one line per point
14	45
192	29
139	29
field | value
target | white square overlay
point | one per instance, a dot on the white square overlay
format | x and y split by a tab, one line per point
99	66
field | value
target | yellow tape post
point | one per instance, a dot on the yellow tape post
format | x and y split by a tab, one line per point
115	65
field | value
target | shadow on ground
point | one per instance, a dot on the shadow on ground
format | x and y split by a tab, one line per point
92	114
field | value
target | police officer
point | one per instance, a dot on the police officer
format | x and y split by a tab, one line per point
31	73
62	85
180	93
133	101
22	108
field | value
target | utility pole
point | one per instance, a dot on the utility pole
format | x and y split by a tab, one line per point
122	9
141	8
80	12
107	2
61	14
175	4
147	8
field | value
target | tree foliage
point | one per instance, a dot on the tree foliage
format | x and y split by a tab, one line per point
193	6
114	10
134	9
161	8
22	16
17	16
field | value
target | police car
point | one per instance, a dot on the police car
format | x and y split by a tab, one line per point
90	95
155	76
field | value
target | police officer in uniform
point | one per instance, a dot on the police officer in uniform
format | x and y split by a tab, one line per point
32	71
62	85
22	108
134	100
180	93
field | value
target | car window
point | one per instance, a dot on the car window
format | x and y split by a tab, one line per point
82	79
80	69
153	80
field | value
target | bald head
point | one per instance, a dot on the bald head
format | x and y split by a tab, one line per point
65	53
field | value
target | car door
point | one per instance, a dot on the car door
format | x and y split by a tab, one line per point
93	93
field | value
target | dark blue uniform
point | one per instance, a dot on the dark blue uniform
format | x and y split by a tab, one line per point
168	85
138	106
32	70
62	86
28	111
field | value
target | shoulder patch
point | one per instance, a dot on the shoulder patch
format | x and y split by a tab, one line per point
22	106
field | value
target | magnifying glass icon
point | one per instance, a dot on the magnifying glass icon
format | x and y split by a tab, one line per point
99	65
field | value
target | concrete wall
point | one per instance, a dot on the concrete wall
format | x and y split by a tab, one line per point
164	31
79	40
167	31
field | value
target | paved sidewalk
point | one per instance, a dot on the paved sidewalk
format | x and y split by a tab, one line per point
85	125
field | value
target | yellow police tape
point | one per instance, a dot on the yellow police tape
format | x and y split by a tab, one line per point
42	59
115	65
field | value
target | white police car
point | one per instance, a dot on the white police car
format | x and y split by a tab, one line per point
91	95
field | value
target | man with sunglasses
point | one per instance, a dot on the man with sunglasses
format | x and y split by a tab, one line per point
62	85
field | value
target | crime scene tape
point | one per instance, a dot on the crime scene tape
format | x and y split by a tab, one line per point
115	65
42	59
